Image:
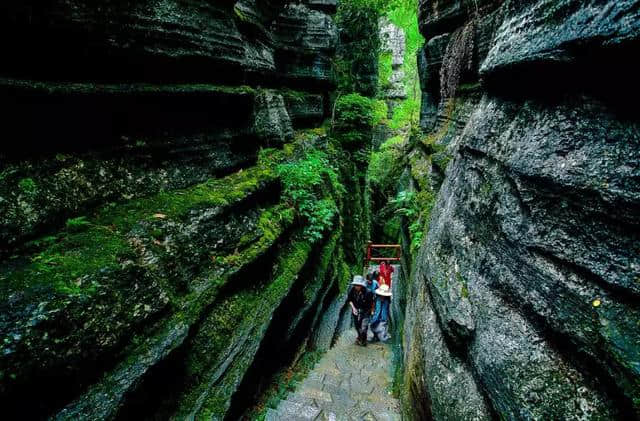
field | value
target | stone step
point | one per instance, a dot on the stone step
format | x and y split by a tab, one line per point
272	415
298	408
316	394
349	383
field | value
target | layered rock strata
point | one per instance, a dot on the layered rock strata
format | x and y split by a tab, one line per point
522	302
148	256
392	47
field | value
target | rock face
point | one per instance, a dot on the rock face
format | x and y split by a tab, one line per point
523	299
392	43
150	265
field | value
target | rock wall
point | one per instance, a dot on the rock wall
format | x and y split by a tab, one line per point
392	45
522	302
150	265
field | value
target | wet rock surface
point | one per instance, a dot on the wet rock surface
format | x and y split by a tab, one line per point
523	293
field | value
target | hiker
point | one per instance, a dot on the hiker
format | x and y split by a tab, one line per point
361	302
385	273
380	318
376	276
372	285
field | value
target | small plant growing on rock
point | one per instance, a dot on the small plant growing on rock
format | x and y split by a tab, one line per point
77	224
28	186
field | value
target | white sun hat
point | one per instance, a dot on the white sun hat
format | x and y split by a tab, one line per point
384	291
359	280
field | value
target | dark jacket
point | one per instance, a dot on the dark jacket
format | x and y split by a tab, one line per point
363	299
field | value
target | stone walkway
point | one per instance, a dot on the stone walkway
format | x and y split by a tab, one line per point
349	383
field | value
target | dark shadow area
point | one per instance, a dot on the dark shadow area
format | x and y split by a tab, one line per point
275	353
39	123
156	396
609	75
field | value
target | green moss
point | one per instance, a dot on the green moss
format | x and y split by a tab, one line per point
176	204
327	256
27	186
441	160
385	70
406	114
248	310
344	278
416	207
435	137
89	244
486	189
271	224
386	165
464	291
294	96
123	89
63	263
355	117
393	142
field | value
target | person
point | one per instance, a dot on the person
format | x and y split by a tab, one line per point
385	273
380	318
361	302
372	284
376	276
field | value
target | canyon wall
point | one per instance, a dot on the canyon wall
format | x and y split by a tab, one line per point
154	259
392	50
523	298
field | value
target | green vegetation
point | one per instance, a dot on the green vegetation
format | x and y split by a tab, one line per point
386	164
403	13
359	46
385	169
406	114
380	111
385	69
248	310
303	183
416	207
123	89
464	288
74	255
100	241
28	186
77	224
354	120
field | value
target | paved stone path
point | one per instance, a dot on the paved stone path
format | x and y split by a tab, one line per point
349	383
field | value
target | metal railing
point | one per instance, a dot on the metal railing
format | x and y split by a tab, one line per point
371	247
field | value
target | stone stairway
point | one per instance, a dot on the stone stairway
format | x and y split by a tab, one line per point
349	383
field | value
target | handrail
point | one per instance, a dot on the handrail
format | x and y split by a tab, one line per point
370	246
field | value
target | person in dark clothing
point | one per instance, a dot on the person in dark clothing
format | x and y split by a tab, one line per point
361	302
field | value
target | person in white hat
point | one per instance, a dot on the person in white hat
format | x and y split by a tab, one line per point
380	318
361	301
